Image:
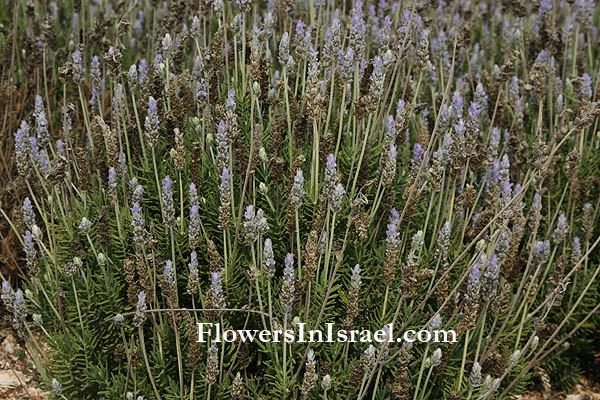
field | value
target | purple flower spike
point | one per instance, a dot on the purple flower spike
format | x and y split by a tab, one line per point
167	198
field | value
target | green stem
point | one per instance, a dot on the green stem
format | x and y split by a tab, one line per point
150	375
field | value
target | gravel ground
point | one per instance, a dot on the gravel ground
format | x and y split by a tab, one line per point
17	372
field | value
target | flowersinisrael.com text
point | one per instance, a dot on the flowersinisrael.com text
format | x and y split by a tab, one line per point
329	335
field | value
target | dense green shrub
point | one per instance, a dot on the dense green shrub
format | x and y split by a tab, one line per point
262	165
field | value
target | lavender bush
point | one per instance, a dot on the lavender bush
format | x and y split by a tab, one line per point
430	164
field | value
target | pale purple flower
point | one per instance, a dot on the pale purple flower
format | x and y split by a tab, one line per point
196	28
489	279
358	28
169	273
19	308
390	132
355	280
151	123
377	79
268	259
217	290
392	234
85	226
201	92
255	223
143	72
297	192
41	161
29	248
140	310
60	148
56	387
269	22
222	142
167	200
389	168
346	61
284	52
443	239
287	289
28	213
584	11
119	320
112	180
137	222
331	177
562	229
21	137
474	284
167	43
230	103
249	226
436	323
132	75
586	87
332	41
78	68
193	193
541	251
137	191
323	243
336	196
8	295
475	378
194	229
41	122
224	187
536	205
96	78
417	157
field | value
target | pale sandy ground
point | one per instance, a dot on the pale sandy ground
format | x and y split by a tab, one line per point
17	371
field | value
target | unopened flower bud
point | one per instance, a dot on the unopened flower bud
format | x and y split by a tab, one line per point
427	363
436	357
256	88
262	154
262	188
101	258
37	318
480	245
534	342
514	358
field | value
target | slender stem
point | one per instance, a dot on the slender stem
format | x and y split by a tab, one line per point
150	375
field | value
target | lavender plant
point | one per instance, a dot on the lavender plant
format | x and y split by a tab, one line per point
258	165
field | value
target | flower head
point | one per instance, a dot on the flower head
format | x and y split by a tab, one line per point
85	225
562	229
140	310
28	213
336	197
167	199
151	123
541	251
298	190
268	259
41	122
287	290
